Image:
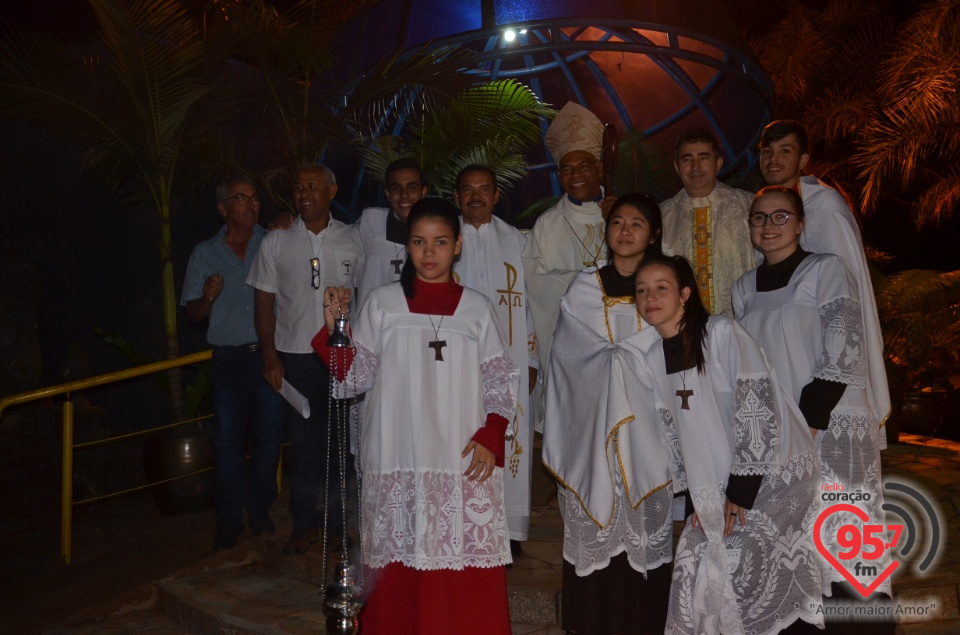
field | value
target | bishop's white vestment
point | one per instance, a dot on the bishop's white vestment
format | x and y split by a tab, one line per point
566	239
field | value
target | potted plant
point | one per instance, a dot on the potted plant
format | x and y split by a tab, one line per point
919	313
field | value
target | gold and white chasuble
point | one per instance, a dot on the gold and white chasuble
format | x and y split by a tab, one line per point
490	263
713	234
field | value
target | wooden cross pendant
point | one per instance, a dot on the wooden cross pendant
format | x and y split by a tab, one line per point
396	266
684	396
437	346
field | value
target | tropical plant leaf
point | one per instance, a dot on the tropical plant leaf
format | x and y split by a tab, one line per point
490	124
535	209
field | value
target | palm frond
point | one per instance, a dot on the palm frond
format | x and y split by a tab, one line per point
405	85
510	167
795	53
535	209
378	154
938	202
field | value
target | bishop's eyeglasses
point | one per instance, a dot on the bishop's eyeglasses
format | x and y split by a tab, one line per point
777	217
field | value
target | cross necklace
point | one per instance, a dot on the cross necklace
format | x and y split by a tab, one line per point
396	264
437	344
684	394
586	250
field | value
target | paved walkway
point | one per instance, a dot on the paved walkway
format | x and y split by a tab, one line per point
288	584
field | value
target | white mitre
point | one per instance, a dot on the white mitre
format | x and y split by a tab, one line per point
574	128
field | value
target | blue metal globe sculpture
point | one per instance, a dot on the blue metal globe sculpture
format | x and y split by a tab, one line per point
656	67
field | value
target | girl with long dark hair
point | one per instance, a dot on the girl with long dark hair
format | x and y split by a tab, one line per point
604	449
441	387
746	561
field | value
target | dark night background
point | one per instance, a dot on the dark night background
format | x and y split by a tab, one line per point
96	262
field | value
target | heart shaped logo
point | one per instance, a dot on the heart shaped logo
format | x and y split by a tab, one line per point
862	515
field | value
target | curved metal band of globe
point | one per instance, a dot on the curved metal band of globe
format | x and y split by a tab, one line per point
631	41
523	58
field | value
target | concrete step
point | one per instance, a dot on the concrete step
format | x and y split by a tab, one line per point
144	622
247	601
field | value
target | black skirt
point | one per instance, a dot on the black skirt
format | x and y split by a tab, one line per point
615	600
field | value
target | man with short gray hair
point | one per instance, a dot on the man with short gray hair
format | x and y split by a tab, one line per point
246	408
291	271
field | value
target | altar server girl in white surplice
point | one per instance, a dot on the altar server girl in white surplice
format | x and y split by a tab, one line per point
441	388
746	561
602	442
804	310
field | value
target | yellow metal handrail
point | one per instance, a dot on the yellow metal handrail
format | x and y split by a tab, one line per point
66	498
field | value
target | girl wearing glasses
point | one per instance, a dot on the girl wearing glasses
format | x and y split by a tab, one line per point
441	388
804	310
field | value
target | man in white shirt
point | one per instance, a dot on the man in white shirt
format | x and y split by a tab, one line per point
291	270
383	231
706	222
490	263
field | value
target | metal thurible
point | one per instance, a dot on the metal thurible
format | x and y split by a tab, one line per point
342	602
341	335
343	596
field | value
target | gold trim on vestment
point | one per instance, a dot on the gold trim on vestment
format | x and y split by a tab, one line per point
620	465
612	301
579	500
703	254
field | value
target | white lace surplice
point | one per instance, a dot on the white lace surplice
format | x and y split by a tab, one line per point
811	328
417	509
766	574
601	439
831	228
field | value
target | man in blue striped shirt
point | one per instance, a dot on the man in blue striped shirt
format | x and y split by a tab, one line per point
246	407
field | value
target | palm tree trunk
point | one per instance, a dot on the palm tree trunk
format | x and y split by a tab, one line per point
172	341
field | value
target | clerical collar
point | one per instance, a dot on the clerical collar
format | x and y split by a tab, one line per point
576	201
396	229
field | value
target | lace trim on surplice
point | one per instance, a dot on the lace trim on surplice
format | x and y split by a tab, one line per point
431	520
500	381
361	376
756	438
843	357
645	534
669	430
